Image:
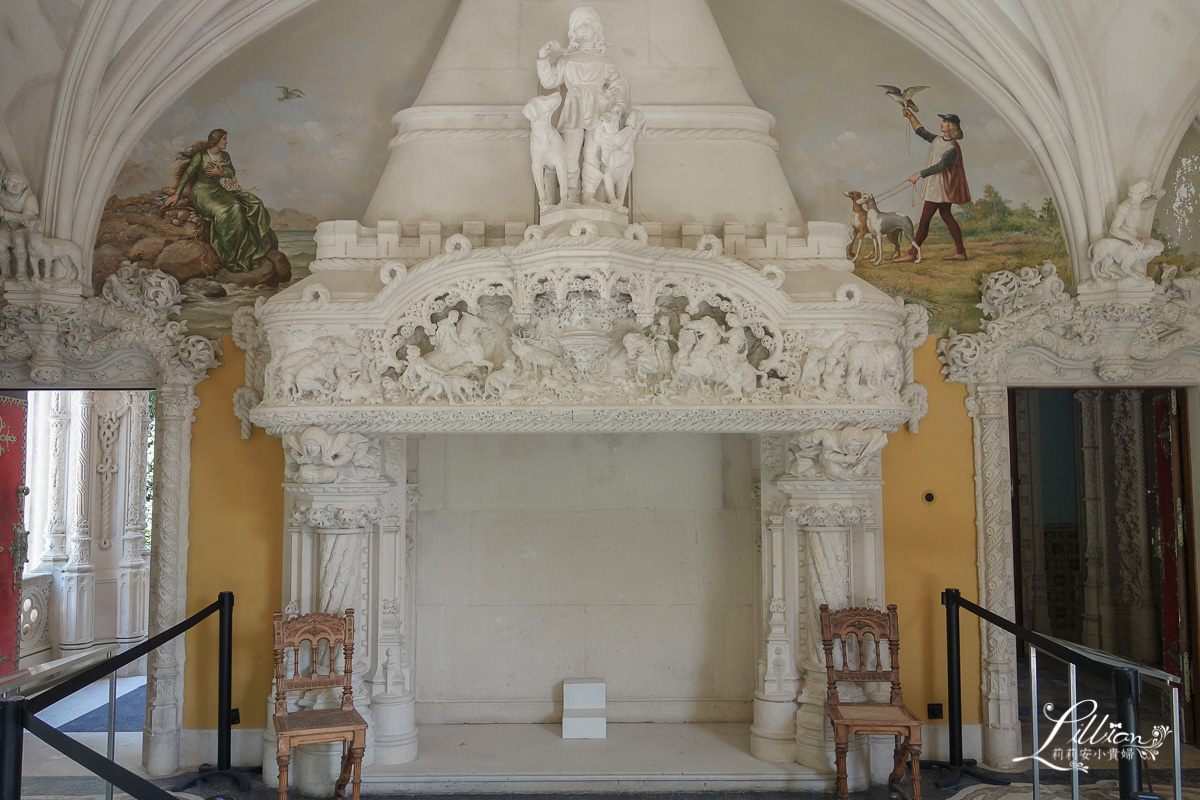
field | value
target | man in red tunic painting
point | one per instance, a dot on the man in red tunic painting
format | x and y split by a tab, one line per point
945	184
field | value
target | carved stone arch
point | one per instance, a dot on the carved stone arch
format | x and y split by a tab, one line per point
1036	335
125	339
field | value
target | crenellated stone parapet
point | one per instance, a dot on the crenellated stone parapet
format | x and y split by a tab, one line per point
347	243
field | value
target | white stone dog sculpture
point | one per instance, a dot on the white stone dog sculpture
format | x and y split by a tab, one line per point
59	258
882	223
616	151
546	148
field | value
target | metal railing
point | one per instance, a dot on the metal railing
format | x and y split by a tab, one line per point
18	713
1126	677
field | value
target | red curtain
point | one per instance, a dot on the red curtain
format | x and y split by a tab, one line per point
12	536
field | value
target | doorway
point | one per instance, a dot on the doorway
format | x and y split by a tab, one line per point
1104	554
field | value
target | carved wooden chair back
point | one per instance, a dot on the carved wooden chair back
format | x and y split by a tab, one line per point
316	636
309	643
853	640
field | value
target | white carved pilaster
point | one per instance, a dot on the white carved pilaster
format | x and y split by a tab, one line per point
56	520
773	734
337	499
77	580
168	574
393	699
988	407
112	407
133	584
833	487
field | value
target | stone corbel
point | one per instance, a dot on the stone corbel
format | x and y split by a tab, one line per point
319	457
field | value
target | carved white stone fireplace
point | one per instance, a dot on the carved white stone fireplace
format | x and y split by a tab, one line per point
675	413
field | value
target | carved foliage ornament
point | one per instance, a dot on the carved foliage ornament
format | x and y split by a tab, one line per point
315	456
1028	312
124	336
840	455
337	517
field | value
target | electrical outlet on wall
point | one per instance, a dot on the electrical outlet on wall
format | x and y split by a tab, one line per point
934	711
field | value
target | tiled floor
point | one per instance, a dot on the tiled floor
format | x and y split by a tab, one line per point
456	760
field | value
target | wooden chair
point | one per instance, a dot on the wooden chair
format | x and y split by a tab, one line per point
342	724
856	636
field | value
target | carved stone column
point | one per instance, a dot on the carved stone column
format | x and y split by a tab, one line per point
132	569
338	499
390	683
56	520
773	734
1136	618
1097	599
77	580
833	487
168	574
987	404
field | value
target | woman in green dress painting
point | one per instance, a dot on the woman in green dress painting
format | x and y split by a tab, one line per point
239	225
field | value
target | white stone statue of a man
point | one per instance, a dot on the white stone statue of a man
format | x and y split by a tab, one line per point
18	210
592	87
1122	256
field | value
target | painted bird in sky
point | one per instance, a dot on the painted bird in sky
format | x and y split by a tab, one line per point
289	94
904	98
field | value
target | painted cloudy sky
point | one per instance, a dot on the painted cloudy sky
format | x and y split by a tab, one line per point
814	65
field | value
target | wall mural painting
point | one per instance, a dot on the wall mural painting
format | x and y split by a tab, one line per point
207	231
231	215
898	245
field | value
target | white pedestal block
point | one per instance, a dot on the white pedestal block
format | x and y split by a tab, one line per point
584	703
584	723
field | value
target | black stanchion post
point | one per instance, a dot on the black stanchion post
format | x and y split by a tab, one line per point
1129	768
956	766
225	682
12	733
225	715
953	675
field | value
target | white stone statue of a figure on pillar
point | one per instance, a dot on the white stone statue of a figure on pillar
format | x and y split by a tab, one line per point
1119	260
592	87
18	211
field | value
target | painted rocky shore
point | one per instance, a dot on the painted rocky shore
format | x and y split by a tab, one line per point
175	242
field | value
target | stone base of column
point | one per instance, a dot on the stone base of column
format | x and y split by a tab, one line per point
395	728
812	748
1001	746
314	768
773	734
160	752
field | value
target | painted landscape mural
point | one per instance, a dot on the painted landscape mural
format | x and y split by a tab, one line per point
304	119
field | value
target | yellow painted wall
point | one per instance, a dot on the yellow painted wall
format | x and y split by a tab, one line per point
929	547
235	543
237	522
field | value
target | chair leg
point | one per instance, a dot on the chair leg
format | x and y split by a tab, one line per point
840	749
282	760
914	755
899	763
356	757
339	790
